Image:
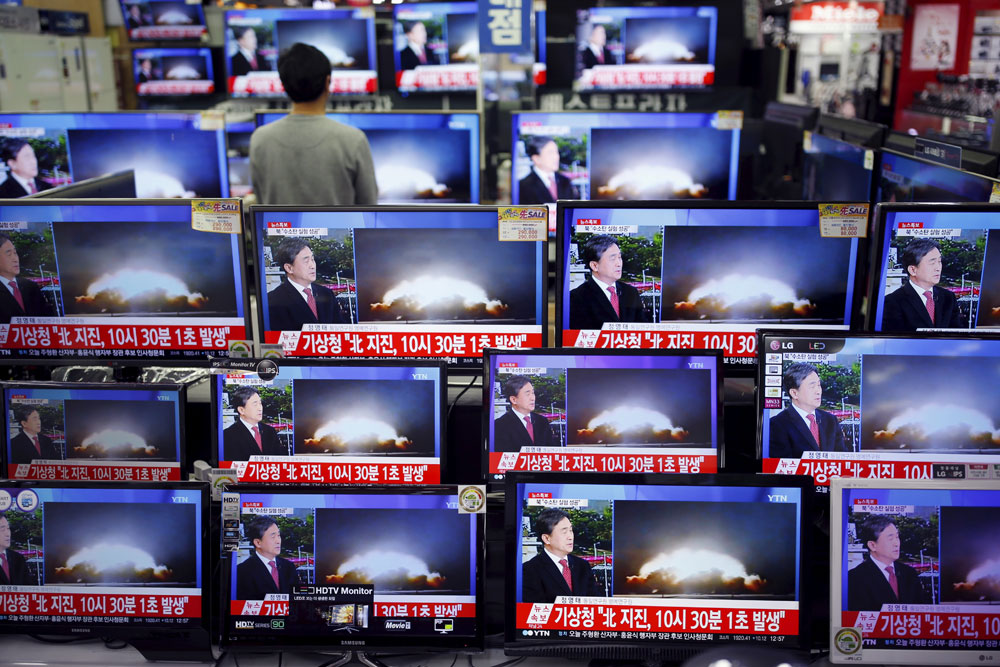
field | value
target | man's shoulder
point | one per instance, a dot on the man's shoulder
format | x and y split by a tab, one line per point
248	564
945	293
624	287
582	288
898	295
233	428
782	416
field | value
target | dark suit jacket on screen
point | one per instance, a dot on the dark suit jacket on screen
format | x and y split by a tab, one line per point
19	574
590	60
238	443
589	308
790	436
289	311
408	58
11	189
904	310
868	589
23	451
532	190
241	66
253	581
509	434
35	304
541	580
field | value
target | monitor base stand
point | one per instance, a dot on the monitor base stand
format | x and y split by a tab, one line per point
354	658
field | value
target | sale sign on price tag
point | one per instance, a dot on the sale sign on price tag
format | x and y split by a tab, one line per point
221	216
523	223
843	221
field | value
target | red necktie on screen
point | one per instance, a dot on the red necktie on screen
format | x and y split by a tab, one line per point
552	188
256	436
929	304
253	63
32	189
892	580
17	293
274	574
311	300
531	429
38	448
600	55
614	299
813	428
3	562
422	57
564	564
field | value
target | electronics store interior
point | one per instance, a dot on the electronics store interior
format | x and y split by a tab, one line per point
234	446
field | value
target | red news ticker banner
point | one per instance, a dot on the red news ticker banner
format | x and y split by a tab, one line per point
118	337
631	76
502	462
983	623
822	470
399	343
176	88
439	77
258	608
425	610
657	618
363	82
153	33
101	604
333	472
90	471
733	344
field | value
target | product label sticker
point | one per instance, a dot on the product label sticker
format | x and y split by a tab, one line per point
221	216
869	160
807	141
995	194
523	223
843	221
729	120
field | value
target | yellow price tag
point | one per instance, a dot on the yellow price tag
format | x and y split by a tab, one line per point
843	221
729	120
523	223
995	195
221	216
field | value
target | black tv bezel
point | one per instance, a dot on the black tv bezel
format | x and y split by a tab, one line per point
160	639
137	360
381	644
171	40
655	649
490	353
857	291
216	397
976	161
89	186
872	179
889	151
474	364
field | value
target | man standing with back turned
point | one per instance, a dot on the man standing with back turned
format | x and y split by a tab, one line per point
306	158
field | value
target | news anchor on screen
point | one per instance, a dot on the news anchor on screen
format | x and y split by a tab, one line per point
919	302
264	572
298	300
415	52
603	297
30	445
544	184
555	571
802	426
880	578
249	435
594	52
247	59
22	297
22	175
13	567
520	426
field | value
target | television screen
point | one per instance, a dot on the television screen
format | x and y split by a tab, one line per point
642	48
881	406
170	72
163	20
602	410
419	157
172	154
653	565
904	178
699	277
123	560
836	170
944	250
93	432
370	568
436	47
333	422
413	281
611	156
913	578
133	280
255	38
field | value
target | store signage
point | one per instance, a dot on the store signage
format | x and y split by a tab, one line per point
64	22
821	17
939	152
505	26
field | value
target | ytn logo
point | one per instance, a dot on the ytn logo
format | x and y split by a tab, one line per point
777	498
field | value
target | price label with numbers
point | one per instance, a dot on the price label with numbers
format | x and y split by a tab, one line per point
523	223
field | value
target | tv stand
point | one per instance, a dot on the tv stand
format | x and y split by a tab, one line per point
353	658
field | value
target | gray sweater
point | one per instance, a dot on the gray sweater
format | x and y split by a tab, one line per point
311	160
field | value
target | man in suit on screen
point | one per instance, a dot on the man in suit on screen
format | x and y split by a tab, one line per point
919	302
30	445
555	571
544	184
249	435
247	59
880	578
802	426
603	297
264	571
415	53
22	175
22	297
521	426
13	568
594	52
298	299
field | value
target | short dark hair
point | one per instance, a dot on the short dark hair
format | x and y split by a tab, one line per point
915	251
534	145
23	412
408	26
239	397
238	31
11	147
595	247
4	238
795	374
514	384
872	527
288	250
259	525
303	69
547	520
